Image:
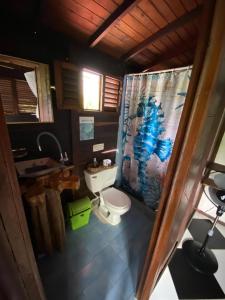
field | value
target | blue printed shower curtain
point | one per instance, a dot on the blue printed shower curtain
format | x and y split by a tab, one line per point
151	109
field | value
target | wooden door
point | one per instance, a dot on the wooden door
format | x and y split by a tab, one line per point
19	278
197	134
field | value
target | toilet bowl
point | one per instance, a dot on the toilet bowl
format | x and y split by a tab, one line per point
112	202
117	203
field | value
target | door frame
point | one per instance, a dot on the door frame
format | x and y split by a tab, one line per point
204	83
21	272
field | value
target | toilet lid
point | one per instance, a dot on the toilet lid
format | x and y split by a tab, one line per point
116	198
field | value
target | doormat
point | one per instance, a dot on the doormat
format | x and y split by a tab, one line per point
191	284
199	228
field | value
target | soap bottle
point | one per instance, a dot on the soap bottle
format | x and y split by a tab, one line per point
95	163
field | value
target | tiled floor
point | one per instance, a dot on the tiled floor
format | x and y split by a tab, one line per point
167	289
100	261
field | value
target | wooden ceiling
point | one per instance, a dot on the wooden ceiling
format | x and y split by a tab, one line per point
153	34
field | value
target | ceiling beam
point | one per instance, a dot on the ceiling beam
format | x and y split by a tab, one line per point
157	35
170	54
120	11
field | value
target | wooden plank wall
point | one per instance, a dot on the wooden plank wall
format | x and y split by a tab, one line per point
9	269
14	236
105	131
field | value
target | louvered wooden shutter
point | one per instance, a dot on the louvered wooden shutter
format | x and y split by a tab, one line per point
68	85
26	100
17	97
111	93
8	96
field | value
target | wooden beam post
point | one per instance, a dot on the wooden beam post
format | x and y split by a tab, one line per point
121	10
157	35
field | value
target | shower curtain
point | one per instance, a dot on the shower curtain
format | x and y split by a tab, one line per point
151	108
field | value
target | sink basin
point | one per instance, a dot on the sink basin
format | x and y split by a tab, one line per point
37	167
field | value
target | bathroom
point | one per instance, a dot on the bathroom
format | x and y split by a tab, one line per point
108	258
98	238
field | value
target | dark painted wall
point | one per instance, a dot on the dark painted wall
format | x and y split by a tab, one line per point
105	131
45	47
24	135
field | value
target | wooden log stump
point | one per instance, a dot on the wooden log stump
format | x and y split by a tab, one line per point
40	222
56	218
43	197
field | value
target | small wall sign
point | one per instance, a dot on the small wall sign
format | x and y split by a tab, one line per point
86	128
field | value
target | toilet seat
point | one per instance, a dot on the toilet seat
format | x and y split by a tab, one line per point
116	199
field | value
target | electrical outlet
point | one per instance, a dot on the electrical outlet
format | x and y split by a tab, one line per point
98	147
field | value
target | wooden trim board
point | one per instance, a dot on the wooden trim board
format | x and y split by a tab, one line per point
181	189
13	224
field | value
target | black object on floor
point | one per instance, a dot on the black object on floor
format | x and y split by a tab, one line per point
199	256
191	284
198	229
204	262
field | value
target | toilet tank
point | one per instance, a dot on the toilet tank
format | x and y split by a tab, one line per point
100	180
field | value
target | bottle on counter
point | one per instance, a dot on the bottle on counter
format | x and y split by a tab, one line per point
95	163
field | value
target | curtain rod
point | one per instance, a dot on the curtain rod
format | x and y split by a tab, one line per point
161	71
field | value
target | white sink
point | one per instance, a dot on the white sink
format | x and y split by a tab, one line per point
37	167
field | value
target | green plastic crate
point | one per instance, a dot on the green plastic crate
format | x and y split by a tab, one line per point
79	212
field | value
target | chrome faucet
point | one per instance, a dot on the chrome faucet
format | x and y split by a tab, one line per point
62	159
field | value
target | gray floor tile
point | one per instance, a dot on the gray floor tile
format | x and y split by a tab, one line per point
99	287
112	263
99	261
123	289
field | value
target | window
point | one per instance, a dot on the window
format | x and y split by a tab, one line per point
18	99
111	97
24	90
91	85
84	89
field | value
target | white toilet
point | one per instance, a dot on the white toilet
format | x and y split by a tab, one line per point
113	203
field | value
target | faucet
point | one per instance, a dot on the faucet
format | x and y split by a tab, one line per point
62	159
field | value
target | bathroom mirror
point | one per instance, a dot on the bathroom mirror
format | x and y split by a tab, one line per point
25	90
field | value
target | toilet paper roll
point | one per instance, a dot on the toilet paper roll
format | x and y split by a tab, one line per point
107	162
